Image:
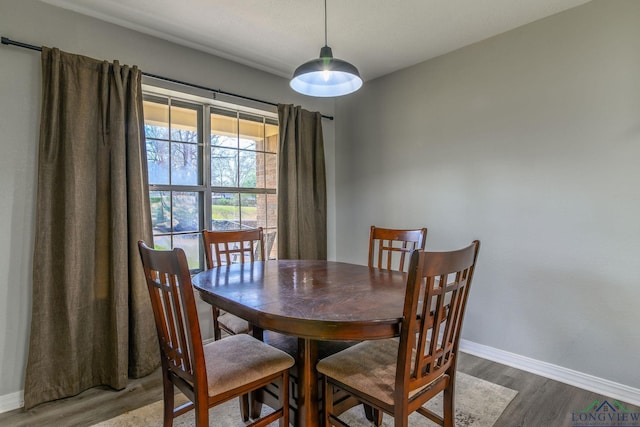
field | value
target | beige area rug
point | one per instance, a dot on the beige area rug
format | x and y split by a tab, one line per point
479	403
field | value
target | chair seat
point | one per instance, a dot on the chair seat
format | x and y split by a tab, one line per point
241	359
369	366
236	324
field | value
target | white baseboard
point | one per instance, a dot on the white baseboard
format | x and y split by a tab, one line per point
11	401
592	383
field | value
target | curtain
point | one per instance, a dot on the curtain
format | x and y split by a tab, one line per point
91	321
302	193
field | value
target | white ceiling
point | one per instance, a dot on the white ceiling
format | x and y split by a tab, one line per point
377	36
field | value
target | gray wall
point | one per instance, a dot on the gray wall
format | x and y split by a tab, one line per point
36	23
528	141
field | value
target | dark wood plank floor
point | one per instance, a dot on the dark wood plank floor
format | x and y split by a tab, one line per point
540	402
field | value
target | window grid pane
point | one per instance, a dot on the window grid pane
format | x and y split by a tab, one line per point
238	182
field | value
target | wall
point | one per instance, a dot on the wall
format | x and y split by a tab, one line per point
36	23
528	141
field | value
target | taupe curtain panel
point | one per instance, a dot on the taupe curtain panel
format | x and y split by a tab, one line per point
302	188
92	322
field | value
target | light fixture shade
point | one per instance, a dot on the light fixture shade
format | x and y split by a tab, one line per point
326	76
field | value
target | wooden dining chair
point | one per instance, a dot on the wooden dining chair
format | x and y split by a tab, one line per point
228	247
209	374
389	248
399	376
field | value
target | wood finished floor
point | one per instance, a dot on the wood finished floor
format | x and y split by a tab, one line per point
540	402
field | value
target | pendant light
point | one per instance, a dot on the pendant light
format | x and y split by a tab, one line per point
326	76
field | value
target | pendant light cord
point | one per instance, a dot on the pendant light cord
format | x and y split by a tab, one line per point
325	23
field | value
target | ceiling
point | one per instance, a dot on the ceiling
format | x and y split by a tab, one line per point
377	36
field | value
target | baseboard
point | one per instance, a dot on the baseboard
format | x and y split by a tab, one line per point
11	401
592	383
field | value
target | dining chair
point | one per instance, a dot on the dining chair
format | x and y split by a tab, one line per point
209	374
388	247
227	247
388	250
398	377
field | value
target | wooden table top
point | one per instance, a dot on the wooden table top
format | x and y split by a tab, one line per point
321	300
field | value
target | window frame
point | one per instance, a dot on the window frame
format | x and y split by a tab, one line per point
204	108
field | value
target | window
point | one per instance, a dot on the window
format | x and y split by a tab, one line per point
209	167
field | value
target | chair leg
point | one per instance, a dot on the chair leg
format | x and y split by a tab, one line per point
167	391
372	414
401	414
255	404
401	421
244	407
201	413
328	402
378	420
448	410
284	399
216	325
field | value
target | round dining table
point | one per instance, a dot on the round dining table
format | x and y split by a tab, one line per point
313	301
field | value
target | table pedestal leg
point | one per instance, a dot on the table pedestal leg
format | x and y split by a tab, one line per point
308	414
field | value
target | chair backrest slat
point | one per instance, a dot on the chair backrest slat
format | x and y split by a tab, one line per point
388	247
168	302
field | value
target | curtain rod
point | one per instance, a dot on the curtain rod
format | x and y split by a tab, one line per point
8	41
